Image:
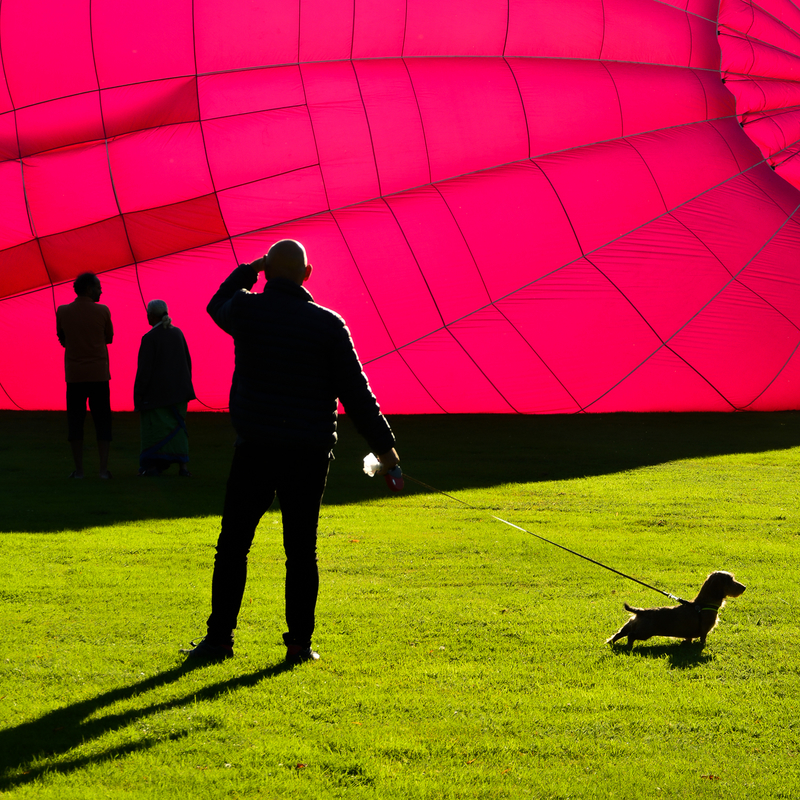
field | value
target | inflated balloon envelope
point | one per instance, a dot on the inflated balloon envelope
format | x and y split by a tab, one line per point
532	207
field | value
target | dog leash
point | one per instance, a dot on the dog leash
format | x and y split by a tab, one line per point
555	544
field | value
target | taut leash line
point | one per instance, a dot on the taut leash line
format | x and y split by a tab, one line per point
555	544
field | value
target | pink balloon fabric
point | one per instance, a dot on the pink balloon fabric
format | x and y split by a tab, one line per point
532	207
761	66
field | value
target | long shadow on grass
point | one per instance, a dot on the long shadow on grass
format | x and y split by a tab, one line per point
449	452
680	656
55	734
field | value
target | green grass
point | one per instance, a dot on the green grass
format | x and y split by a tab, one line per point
461	658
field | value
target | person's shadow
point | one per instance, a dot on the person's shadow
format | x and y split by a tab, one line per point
59	731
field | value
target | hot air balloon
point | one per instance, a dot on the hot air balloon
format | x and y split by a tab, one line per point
519	207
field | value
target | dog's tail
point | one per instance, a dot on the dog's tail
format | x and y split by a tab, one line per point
632	609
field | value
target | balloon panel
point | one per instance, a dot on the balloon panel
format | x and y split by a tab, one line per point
675	275
665	380
602	323
526	239
532	207
429	227
770	274
543	393
395	129
150	41
27	357
704	164
739	363
779	393
601	208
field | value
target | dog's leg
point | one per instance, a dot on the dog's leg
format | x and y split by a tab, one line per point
625	630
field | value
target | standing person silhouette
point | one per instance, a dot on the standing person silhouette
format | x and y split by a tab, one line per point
293	360
161	393
84	330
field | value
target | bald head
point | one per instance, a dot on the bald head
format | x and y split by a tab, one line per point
287	259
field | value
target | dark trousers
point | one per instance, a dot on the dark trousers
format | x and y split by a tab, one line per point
257	475
99	397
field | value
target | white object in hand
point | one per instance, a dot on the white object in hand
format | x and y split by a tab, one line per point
371	465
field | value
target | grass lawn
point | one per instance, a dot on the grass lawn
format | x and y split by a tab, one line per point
461	658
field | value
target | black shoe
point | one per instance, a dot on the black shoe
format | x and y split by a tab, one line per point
297	654
208	651
184	473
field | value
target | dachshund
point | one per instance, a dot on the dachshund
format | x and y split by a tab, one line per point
687	621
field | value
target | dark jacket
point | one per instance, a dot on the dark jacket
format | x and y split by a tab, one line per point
164	373
293	360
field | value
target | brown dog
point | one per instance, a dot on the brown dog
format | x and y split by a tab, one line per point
689	621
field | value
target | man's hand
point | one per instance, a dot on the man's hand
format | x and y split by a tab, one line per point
259	265
389	460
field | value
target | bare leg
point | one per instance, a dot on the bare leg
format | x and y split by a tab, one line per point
103	448
77	457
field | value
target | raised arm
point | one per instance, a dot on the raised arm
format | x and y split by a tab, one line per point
219	307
